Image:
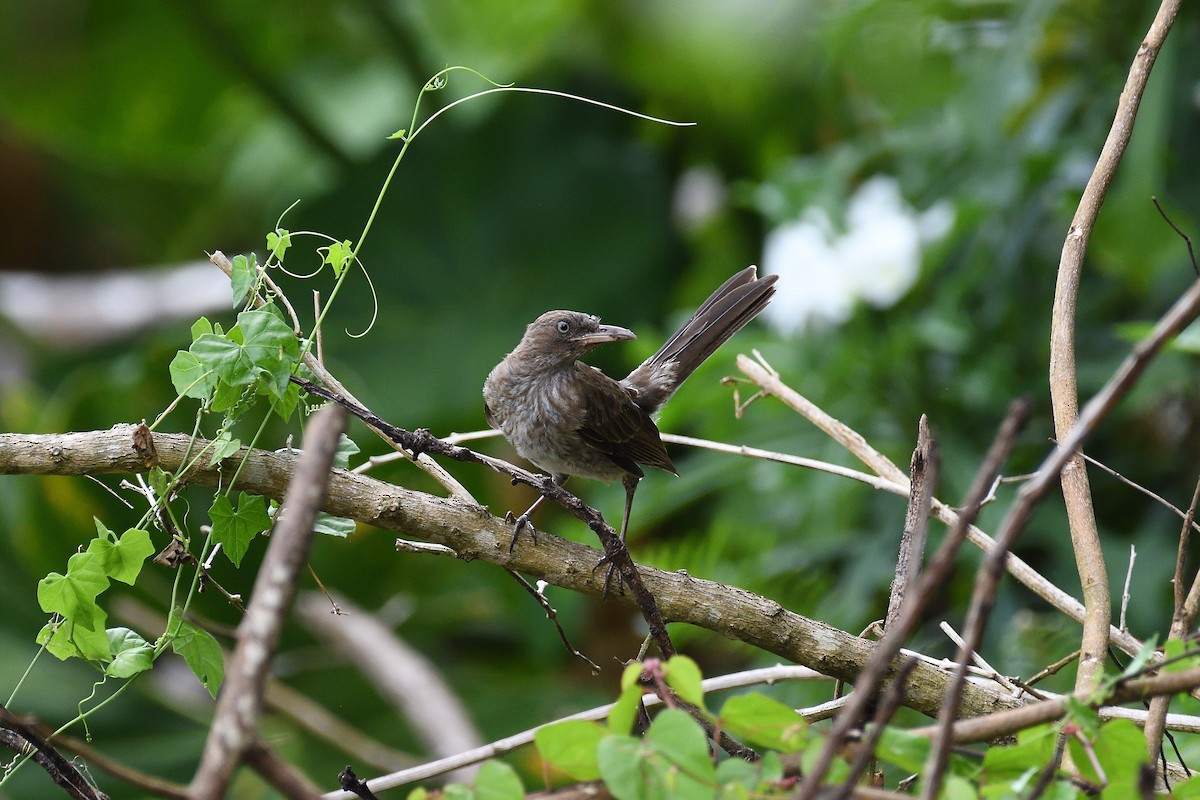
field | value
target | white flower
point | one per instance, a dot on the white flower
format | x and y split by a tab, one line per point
823	273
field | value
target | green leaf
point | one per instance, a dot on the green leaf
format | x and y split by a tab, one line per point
498	781
243	277
271	347
338	255
1120	748
202	654
225	357
130	653
1175	650
571	746
907	751
1188	790
201	327
682	741
1082	715
955	787
346	448
1144	654
838	768
70	639
122	560
683	675
1033	750
329	525
625	710
620	759
223	447
760	720
670	762
234	530
285	404
278	241
191	377
74	595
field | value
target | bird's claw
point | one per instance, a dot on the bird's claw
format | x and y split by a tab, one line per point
610	570
518	523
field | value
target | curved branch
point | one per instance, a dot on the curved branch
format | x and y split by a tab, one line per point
473	533
1064	392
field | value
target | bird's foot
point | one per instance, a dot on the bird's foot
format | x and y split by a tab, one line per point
610	565
518	523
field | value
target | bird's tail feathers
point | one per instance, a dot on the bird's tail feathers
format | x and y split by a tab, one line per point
724	313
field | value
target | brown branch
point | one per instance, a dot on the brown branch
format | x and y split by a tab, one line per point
923	473
1005	723
472	533
894	481
931	582
1064	391
616	555
235	721
22	737
1182	620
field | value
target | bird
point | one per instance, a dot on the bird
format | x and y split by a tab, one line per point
570	419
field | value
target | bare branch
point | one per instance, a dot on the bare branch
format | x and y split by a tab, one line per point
235	721
1064	391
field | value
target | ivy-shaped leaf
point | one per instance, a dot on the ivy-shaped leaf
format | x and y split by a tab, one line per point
202	654
234	530
122	560
278	241
71	639
130	653
74	595
243	276
223	447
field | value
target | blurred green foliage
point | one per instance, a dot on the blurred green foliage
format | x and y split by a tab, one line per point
147	133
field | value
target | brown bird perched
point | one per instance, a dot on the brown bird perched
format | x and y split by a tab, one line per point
569	418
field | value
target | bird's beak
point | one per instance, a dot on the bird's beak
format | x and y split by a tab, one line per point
606	333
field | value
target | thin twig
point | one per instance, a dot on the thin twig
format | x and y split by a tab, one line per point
552	614
1125	590
930	583
1182	620
888	705
1174	509
986	580
923	474
431	467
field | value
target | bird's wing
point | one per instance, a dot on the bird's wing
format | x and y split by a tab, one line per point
617	427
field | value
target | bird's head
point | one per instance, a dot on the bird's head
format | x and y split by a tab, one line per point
562	337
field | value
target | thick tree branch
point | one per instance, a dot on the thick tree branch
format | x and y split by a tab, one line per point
473	533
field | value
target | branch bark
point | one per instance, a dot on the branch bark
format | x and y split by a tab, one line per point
473	533
232	737
1064	391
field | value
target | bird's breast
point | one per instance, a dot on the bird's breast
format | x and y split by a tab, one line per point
540	414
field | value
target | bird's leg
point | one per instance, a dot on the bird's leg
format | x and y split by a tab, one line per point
631	483
524	520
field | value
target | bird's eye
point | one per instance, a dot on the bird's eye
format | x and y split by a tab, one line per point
563	326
